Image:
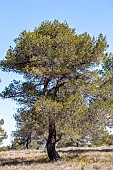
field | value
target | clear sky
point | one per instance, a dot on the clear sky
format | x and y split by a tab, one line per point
92	16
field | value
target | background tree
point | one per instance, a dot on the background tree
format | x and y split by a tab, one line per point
3	134
28	134
58	66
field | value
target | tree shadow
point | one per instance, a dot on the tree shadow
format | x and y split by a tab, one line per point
22	161
44	160
80	150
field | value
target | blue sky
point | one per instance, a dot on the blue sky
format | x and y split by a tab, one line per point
92	16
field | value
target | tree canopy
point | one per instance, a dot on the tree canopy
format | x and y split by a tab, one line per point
63	87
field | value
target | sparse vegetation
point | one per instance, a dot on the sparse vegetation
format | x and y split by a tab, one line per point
3	134
72	159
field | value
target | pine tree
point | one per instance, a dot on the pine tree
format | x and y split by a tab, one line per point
61	81
3	134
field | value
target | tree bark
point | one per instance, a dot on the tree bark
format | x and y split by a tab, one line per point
51	142
28	141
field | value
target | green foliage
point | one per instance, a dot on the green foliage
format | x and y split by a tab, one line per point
108	64
54	52
4	148
105	140
63	84
3	134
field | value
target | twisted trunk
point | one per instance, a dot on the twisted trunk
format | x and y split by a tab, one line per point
28	141
51	142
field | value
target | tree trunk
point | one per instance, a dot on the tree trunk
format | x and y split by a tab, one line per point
51	142
28	141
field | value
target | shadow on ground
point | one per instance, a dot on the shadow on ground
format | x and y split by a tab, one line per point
79	150
22	161
44	160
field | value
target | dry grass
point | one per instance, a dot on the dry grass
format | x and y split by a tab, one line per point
72	159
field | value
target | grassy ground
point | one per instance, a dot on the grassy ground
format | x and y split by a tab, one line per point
72	159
